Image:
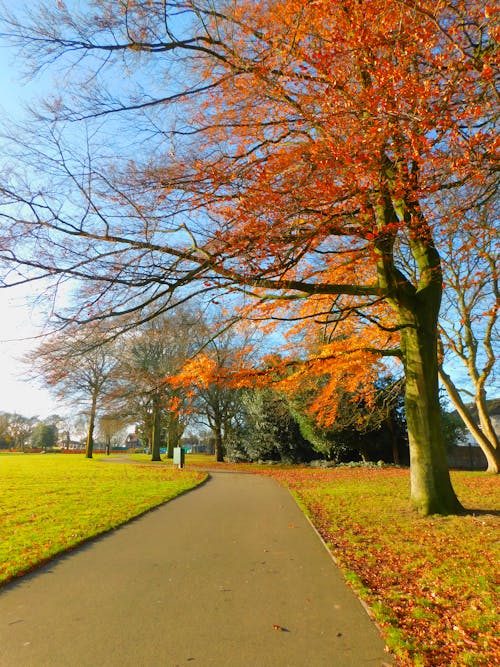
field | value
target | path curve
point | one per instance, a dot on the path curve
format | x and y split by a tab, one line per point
230	574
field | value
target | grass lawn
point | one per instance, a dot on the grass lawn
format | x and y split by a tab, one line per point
432	583
49	503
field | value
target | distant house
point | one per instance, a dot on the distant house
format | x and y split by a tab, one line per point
65	442
132	441
75	445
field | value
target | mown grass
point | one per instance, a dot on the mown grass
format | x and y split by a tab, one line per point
51	503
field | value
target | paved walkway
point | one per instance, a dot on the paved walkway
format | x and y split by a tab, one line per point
230	574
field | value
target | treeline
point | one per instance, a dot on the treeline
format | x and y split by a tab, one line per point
140	379
18	432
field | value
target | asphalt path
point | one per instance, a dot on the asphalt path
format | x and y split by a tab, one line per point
229	574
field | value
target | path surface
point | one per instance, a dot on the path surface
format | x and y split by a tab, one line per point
199	582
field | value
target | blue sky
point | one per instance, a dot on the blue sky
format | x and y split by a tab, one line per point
18	321
18	328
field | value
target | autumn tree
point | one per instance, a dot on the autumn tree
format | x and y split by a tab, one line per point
373	429
78	365
296	158
214	402
218	406
148	357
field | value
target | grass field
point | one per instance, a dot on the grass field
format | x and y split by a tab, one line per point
50	503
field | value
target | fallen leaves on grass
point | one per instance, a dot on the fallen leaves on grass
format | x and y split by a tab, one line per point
431	582
279	628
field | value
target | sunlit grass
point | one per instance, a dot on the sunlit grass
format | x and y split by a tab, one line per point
50	503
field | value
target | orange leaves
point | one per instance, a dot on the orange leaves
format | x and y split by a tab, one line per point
199	372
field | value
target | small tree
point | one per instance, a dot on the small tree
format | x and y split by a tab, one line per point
215	402
111	427
77	364
44	436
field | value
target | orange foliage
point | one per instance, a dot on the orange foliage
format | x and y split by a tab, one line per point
199	371
333	121
318	144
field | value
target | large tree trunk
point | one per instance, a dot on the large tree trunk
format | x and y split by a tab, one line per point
492	450
431	489
174	434
219	447
417	304
89	447
156	432
394	441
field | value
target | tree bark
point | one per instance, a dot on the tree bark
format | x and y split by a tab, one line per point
156	431
484	434
394	441
431	488
219	448
174	434
89	447
417	305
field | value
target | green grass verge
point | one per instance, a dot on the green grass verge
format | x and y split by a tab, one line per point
50	503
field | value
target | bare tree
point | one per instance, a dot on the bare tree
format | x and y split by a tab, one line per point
469	324
148	357
78	365
111	427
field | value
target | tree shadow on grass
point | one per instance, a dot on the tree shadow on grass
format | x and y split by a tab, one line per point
478	512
